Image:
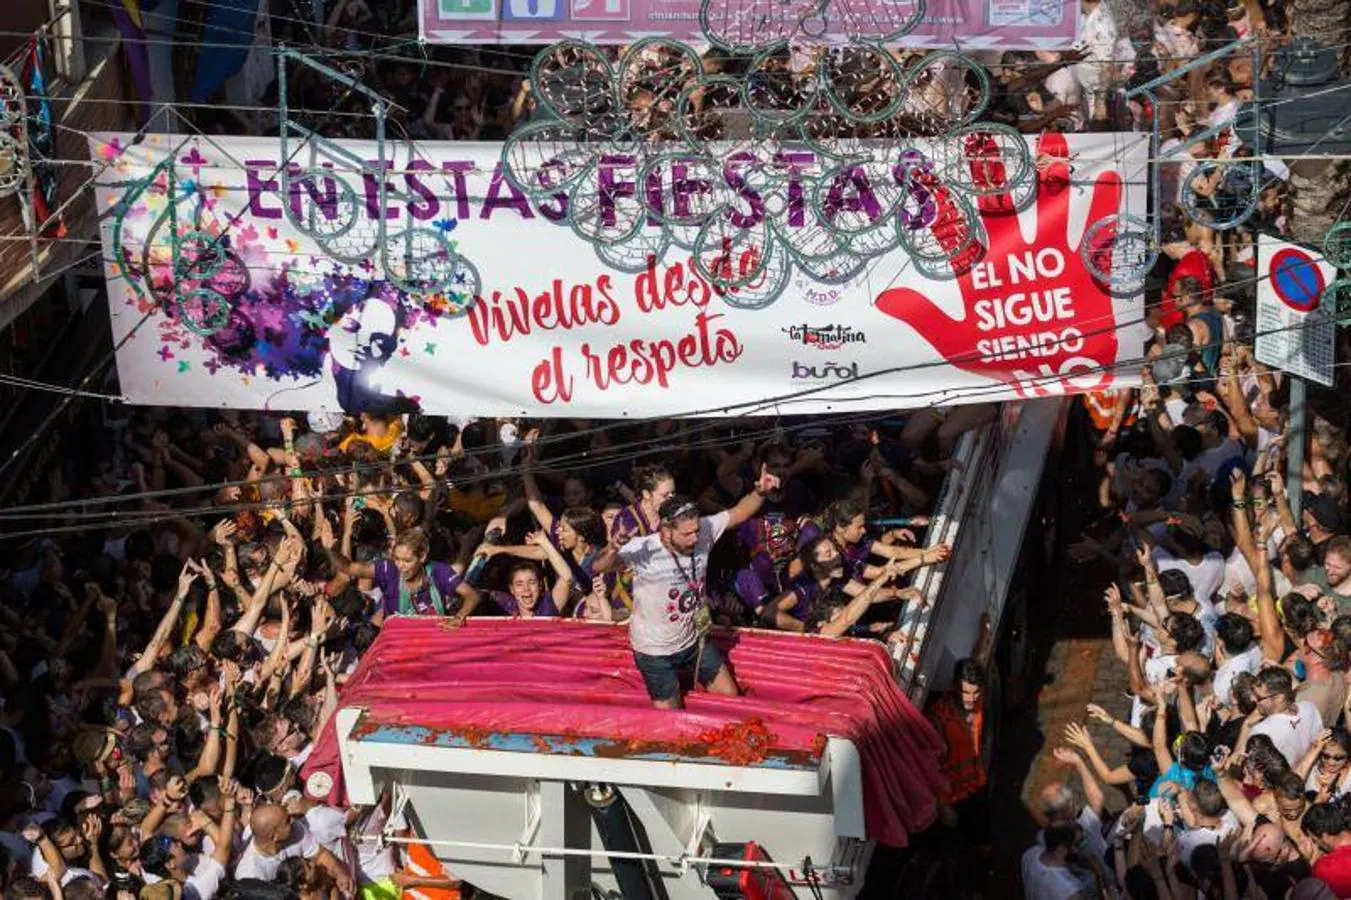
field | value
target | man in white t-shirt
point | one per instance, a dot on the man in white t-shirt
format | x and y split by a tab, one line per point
1054	870
670	575
277	838
1292	727
1205	572
1237	651
165	857
1206	819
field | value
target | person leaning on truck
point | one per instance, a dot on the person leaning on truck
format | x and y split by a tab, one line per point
670	579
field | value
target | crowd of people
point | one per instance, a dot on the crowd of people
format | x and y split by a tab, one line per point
1230	613
165	672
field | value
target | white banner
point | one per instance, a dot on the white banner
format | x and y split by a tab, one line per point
555	331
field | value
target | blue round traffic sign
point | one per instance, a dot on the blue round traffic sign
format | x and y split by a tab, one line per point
1297	279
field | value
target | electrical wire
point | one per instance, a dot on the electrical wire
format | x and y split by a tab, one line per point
139	518
587	460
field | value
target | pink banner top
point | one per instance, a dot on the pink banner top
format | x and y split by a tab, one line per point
562	686
946	24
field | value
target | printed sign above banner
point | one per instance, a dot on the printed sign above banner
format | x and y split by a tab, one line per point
554	330
944	24
1295	331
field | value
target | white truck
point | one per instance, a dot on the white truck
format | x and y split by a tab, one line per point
523	819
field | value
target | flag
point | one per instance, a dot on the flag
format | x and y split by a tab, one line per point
41	144
226	38
131	23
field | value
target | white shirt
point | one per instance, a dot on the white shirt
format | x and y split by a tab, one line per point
375	860
1249	660
1292	732
1237	573
1043	882
329	827
1206	576
253	864
38	868
205	879
1191	839
667	592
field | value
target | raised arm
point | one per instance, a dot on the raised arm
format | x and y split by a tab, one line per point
562	590
534	499
166	624
1092	789
211	619
859	605
1163	756
1077	736
750	504
288	555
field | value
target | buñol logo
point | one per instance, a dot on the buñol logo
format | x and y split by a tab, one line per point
825	337
831	371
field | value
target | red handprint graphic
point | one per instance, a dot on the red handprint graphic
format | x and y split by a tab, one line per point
1034	316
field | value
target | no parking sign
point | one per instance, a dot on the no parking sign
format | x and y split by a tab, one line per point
1295	332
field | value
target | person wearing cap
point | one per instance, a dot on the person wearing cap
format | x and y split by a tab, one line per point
670	584
185	876
1322	520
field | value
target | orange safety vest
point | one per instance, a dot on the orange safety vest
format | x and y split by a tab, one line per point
962	765
1101	407
420	861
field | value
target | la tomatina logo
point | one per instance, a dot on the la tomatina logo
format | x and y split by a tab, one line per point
825	337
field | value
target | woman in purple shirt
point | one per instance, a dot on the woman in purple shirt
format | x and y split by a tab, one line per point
827	569
410	585
846	523
525	597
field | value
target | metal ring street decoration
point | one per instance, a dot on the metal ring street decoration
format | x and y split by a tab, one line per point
1120	251
808	157
1337	245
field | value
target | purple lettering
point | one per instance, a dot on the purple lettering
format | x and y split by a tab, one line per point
862	199
556	213
373	192
795	162
326	199
652	193
733	179
683	187
457	170
494	200
612	189
428	206
256	186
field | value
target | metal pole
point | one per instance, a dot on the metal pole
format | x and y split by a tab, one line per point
1294	473
520	851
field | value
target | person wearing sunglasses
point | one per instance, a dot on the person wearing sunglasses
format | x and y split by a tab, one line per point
1292	725
1326	769
191	876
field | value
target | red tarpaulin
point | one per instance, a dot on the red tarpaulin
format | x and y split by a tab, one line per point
578	680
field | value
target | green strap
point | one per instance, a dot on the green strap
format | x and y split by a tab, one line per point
406	597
